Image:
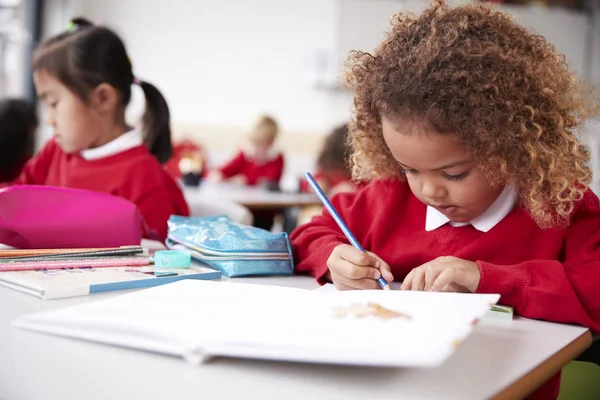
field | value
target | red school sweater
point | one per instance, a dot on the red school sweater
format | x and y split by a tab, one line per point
252	171
133	174
547	274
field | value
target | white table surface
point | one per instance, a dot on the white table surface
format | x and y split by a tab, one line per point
37	366
251	197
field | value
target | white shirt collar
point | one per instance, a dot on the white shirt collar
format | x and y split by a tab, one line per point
126	141
271	155
499	209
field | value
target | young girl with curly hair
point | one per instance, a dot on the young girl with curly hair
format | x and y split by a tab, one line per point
465	123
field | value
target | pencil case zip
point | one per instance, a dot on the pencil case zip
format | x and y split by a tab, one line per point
221	255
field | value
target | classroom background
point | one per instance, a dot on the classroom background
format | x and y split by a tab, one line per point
220	64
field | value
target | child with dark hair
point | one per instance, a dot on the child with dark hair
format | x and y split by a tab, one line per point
467	123
84	77
18	122
333	172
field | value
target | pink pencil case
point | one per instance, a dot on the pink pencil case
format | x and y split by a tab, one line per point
52	217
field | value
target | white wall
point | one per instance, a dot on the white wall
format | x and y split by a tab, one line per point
13	44
221	62
224	62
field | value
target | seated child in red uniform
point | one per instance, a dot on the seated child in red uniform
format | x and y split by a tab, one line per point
333	174
84	77
188	162
333	166
258	164
467	123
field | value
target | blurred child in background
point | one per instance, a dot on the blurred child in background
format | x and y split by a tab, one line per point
259	163
187	163
18	122
333	174
84	77
333	169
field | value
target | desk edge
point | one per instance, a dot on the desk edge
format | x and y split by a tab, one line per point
529	382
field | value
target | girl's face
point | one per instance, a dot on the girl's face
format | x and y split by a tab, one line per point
76	125
438	170
259	147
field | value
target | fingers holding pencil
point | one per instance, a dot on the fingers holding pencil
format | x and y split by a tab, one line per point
381	281
351	268
383	267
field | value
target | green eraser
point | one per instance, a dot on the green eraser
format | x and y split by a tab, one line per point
172	259
502	309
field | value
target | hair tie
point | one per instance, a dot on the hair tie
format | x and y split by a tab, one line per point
137	81
72	27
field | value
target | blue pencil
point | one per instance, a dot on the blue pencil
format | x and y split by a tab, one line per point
317	189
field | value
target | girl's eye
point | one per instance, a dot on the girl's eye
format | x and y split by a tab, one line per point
456	178
408	171
51	103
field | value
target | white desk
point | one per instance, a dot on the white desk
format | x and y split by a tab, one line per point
494	358
255	198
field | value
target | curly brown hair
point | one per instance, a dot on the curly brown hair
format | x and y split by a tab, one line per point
505	92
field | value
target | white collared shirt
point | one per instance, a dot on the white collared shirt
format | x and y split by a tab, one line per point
271	155
126	141
499	209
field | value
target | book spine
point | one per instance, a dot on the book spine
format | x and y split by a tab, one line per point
146	283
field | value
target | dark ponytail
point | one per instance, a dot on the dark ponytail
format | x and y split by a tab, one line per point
87	55
156	121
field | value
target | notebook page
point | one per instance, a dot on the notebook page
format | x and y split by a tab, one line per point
380	328
177	318
198	318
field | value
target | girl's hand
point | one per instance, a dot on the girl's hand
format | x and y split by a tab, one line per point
444	274
350	268
215	176
239	180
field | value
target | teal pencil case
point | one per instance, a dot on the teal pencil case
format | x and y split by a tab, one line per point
232	248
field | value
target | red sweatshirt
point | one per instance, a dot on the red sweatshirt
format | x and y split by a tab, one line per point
254	172
330	179
133	174
551	274
181	150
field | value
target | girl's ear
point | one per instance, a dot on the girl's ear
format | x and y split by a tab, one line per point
104	98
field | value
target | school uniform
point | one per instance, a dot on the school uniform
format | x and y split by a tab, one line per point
255	171
268	170
123	167
328	179
180	151
547	274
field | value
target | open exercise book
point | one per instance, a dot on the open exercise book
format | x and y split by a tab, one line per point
197	320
